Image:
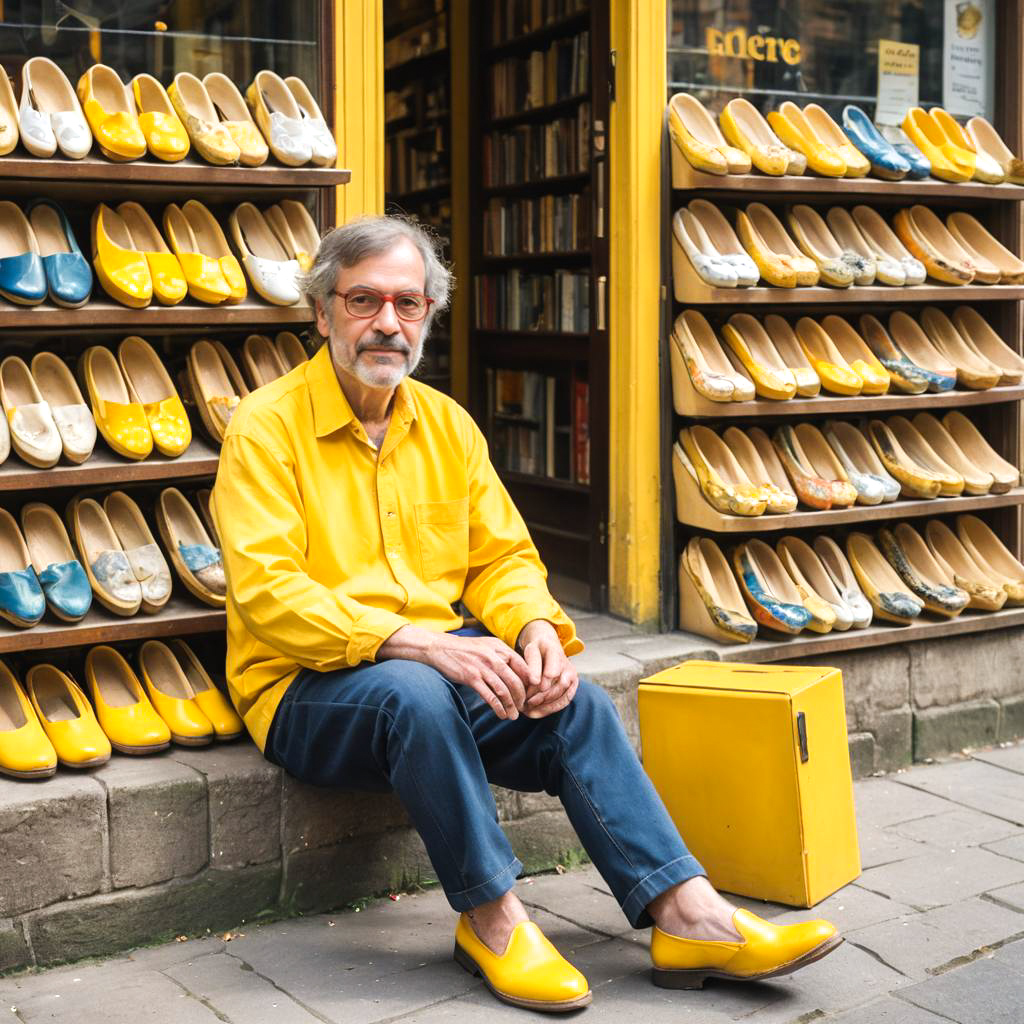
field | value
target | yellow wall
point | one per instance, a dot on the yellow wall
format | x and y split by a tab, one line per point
638	37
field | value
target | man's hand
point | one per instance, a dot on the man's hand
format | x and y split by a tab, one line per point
485	664
552	681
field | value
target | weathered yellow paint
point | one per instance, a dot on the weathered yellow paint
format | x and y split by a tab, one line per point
638	36
459	91
359	104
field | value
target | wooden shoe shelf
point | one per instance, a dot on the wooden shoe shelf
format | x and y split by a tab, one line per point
171	330
997	411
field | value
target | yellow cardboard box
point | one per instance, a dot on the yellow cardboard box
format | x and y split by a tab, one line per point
753	765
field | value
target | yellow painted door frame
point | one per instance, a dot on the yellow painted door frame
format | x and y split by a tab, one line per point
638	37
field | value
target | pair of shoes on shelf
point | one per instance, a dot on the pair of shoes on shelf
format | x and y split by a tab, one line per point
818	477
217	120
50	116
270	247
840	265
44	412
973	371
216	384
697	136
134	401
869	477
979	562
711	246
912	361
44	258
813	133
994	262
779	260
891	600
212	272
291	121
771	356
886	161
894	264
928	580
265	360
981	341
929	240
194	555
746	130
125	567
696	352
841	358
110	110
950	150
988	141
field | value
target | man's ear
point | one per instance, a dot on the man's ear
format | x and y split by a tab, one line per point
321	319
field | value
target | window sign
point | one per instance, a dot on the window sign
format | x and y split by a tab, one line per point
968	35
898	74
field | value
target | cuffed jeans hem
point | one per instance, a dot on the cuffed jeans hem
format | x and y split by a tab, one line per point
634	906
486	891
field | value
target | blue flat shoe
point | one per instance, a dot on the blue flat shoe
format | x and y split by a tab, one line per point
22	278
66	589
773	599
68	274
920	165
886	163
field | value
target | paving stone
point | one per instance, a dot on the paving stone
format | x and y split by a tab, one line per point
957	828
850	908
887	1011
938	878
918	944
52	841
14	951
882	802
944	730
166	954
594	628
984	992
118	997
541	840
240	995
974	784
99	925
582	898
1012	955
158	820
1010	758
244	795
1012	895
1012	847
882	846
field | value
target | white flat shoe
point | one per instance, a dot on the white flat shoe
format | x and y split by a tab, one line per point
699	250
325	149
34	434
74	419
836	565
273	275
724	241
51	117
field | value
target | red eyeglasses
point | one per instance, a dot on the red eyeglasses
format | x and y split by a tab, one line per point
363	303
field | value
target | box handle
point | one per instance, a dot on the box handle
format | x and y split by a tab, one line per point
801	735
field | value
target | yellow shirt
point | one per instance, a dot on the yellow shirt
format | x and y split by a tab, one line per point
329	548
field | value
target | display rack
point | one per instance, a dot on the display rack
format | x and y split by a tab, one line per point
566	511
996	411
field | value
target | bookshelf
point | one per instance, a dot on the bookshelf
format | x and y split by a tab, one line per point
417	156
538	273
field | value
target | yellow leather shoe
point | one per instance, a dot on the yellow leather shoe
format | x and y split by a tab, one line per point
749	132
789	123
225	720
857	164
925	133
766	243
835	372
164	133
122	707
122	270
531	973
195	110
984	168
767	951
121	422
67	718
213	274
172	696
25	752
150	385
753	347
111	114
856	354
235	116
169	285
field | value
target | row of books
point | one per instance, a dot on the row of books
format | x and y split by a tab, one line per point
539	424
519	301
416	158
559	72
428	37
511	19
422	99
548	224
532	152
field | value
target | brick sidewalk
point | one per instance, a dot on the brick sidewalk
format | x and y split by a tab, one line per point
934	927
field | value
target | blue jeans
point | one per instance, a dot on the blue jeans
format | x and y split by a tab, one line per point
402	726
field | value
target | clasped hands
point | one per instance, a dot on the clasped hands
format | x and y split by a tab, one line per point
535	681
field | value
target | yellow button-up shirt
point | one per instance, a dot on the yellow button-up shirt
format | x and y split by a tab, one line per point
330	547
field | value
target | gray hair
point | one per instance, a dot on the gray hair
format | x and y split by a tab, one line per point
374	235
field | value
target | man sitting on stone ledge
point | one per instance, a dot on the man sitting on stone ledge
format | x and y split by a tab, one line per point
356	507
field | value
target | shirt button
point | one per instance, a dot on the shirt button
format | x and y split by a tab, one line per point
391	515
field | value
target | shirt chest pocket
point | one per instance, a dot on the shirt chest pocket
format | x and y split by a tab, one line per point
442	528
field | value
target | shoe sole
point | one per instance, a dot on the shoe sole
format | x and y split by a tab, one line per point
665	978
465	961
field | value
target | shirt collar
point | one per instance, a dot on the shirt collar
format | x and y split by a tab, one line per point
331	410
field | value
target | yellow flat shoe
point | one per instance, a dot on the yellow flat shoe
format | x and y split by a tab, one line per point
976	480
823	616
766	474
165	135
835	372
531	973
808	383
25	750
225	720
758	227
67	718
963	151
855	352
972	443
111	114
169	285
172	697
211	241
121	422
8	115
753	347
195	110
951	482
926	134
750	133
857	164
928	239
973	371
987	140
790	125
690	135
122	707
992	555
722	480
204	276
150	385
711	604
235	116
122	270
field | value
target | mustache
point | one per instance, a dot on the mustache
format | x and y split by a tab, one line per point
389	342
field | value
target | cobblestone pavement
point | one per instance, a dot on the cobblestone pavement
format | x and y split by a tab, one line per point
934	929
